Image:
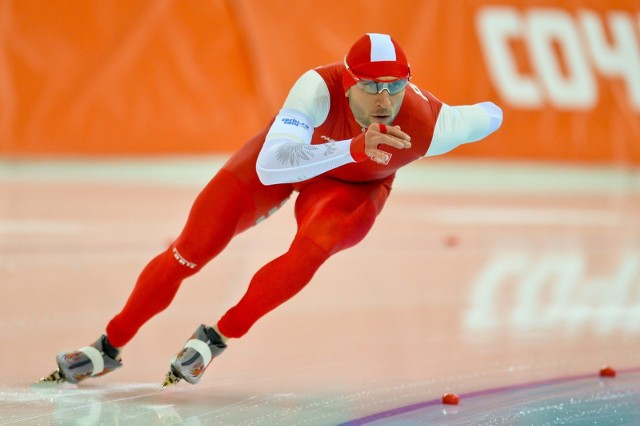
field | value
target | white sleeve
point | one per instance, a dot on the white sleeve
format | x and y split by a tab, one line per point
457	125
287	154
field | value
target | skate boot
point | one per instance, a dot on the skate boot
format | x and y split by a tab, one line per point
96	360
194	358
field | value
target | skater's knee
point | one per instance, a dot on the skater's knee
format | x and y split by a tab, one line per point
309	248
181	260
190	266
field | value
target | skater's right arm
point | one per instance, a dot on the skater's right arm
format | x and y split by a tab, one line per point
287	154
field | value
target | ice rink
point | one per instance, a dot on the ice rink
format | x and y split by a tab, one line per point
508	284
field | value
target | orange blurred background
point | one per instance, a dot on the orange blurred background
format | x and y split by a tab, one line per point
188	77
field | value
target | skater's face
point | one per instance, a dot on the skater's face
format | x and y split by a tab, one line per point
378	107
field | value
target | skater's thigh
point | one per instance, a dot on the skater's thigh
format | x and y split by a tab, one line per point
264	200
223	209
337	215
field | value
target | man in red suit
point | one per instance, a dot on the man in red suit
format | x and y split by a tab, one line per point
342	134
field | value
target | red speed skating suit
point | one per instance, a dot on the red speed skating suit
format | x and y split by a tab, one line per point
334	211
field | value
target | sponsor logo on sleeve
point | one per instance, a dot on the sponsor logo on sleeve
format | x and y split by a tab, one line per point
294	122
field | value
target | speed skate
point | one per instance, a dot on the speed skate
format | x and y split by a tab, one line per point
95	360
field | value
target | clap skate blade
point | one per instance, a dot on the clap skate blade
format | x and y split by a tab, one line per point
54	377
170	379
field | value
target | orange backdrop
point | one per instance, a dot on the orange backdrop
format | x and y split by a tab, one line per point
200	76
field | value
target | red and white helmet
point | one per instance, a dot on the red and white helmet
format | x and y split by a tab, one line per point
374	56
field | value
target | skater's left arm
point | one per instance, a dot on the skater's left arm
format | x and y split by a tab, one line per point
457	125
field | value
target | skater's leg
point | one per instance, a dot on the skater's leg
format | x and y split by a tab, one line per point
332	216
223	209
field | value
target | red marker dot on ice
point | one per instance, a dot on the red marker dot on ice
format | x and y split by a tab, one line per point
607	371
450	399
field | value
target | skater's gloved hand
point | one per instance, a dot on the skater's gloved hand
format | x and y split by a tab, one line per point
379	134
